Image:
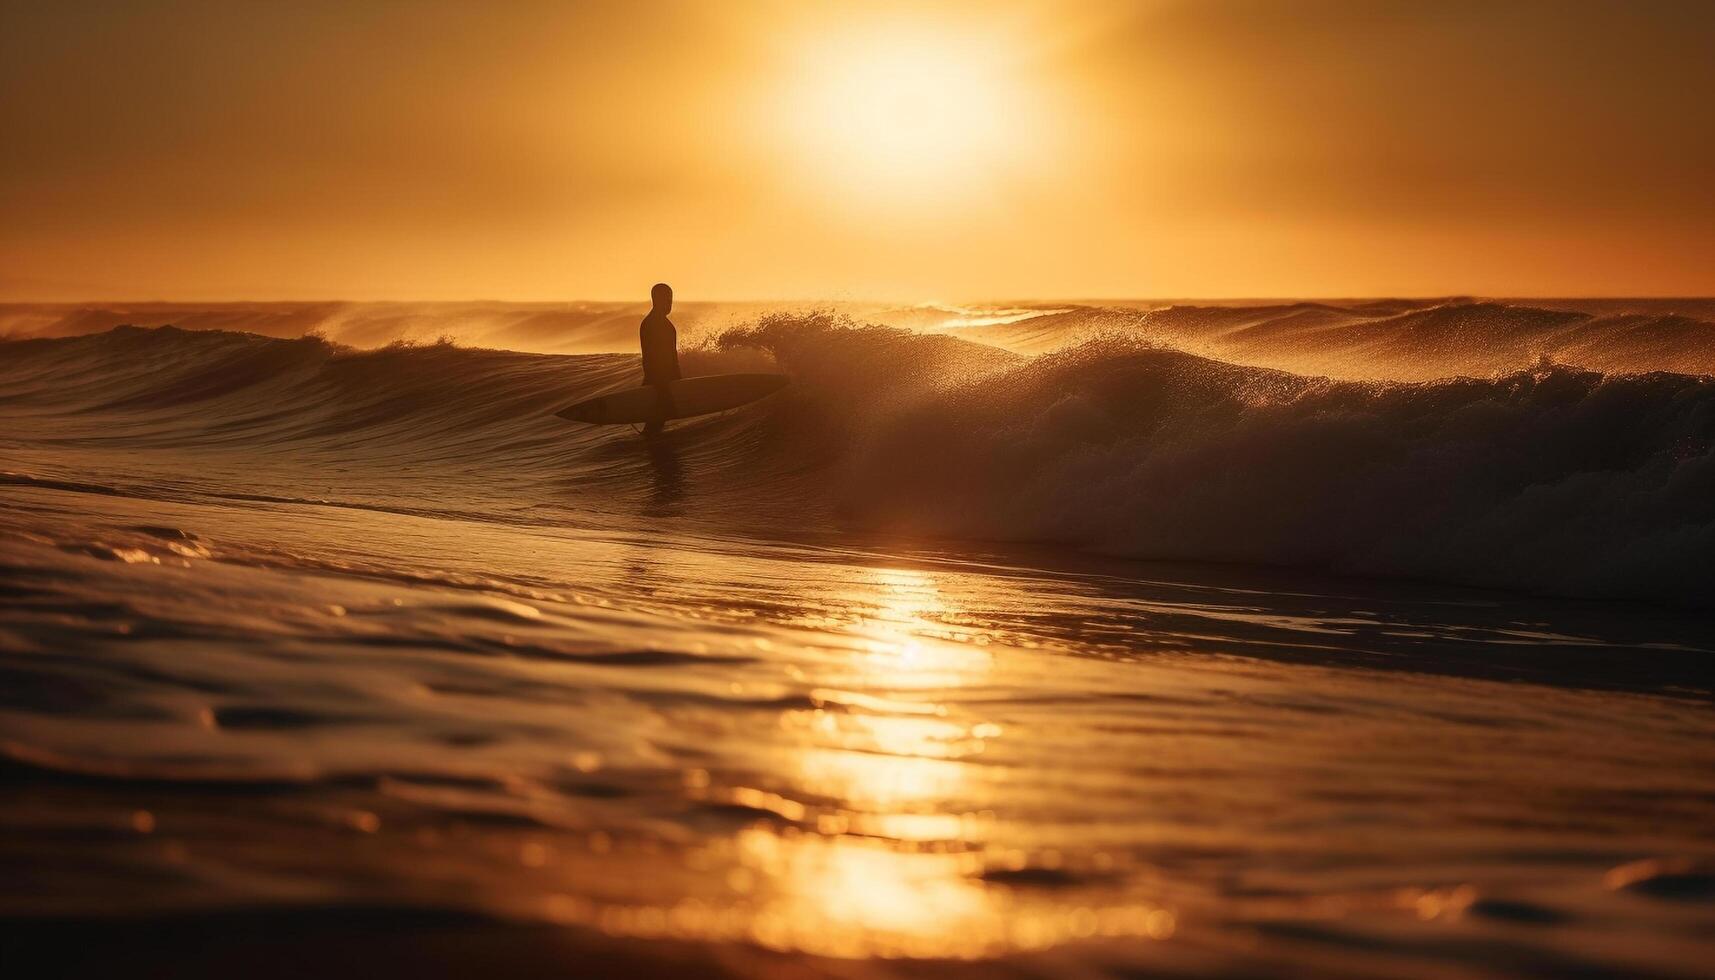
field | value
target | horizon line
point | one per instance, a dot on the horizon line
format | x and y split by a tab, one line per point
1251	298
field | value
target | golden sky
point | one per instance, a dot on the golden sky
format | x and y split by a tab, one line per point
912	151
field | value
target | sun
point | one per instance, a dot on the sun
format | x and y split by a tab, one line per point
906	115
906	109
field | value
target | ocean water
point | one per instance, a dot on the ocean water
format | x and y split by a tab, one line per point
1100	640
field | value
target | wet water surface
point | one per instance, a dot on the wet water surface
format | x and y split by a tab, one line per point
839	751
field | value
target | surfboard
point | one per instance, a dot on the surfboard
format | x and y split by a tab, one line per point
690	396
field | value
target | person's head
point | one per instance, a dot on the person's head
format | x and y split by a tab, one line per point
662	294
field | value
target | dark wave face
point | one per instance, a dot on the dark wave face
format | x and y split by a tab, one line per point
1550	478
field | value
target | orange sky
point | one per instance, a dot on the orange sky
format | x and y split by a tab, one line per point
522	150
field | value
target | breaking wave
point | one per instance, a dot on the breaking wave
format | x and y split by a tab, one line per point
1545	477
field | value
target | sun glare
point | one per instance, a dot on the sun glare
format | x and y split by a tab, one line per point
906	117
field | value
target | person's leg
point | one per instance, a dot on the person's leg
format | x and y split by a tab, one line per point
664	406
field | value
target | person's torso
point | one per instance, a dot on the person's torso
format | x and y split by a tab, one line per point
660	342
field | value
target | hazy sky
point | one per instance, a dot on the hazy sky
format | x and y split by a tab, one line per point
917	151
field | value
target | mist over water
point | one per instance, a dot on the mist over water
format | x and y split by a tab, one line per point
1130	636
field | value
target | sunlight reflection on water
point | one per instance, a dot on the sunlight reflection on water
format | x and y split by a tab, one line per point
893	862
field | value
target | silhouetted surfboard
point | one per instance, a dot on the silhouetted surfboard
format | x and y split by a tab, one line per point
691	396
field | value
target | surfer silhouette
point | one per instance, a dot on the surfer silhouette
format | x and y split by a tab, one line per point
660	342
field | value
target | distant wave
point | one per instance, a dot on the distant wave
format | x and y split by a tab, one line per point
539	327
1548	478
1387	339
1400	340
